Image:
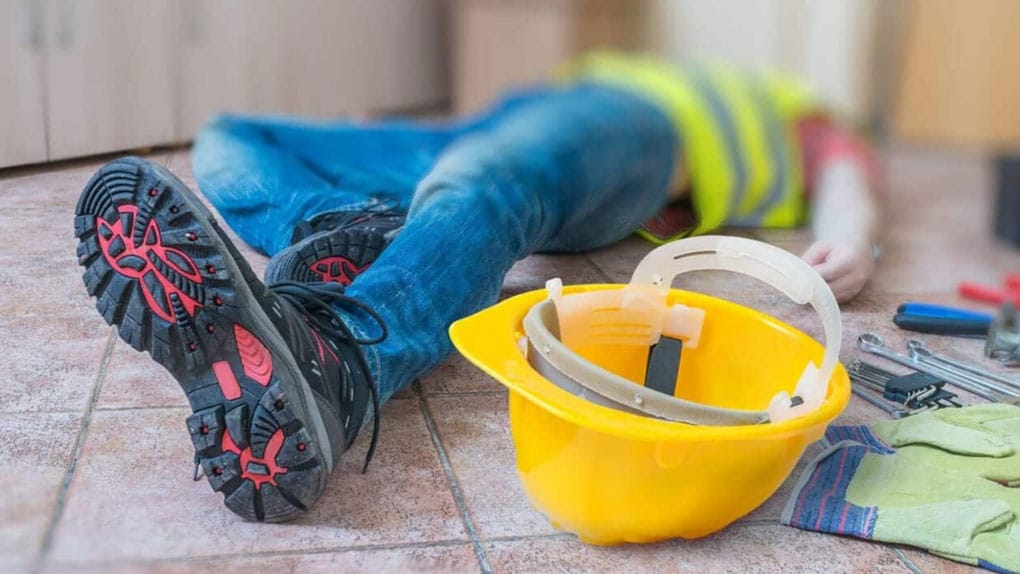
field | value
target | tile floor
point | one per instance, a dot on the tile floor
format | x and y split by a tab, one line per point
96	466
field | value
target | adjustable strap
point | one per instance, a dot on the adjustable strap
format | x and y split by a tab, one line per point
664	365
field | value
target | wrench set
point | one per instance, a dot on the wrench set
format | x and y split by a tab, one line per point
924	389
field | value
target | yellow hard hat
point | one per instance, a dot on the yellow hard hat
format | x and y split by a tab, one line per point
641	412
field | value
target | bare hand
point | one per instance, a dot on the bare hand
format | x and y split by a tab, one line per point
845	265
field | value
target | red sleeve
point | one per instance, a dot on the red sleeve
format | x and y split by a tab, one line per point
822	140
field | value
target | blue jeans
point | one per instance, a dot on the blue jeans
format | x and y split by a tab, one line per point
563	169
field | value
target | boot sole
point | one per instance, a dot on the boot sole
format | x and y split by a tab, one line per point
331	256
167	277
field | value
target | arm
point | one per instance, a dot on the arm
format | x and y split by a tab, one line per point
845	215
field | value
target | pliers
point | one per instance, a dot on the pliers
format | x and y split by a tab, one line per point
942	320
1008	293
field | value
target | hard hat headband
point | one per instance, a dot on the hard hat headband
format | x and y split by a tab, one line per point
638	315
555	361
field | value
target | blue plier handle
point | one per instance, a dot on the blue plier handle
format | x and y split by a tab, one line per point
942	320
941	311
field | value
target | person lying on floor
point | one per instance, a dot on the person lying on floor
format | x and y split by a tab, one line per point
384	233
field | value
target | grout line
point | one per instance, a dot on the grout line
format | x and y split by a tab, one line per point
184	406
905	560
599	270
755	522
86	420
895	551
143	408
469	525
135	408
275	553
523	537
327	550
493	393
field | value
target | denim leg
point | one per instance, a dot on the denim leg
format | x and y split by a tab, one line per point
265	175
575	169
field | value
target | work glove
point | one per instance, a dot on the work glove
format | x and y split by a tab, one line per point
947	481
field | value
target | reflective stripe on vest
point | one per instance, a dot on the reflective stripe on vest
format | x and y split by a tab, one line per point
736	131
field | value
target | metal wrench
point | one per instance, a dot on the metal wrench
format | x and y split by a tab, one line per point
895	412
919	349
872	343
922	358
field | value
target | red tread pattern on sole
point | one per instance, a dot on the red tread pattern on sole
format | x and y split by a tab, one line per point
228	382
268	459
348	270
255	358
174	258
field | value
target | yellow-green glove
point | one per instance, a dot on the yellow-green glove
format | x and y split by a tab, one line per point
945	481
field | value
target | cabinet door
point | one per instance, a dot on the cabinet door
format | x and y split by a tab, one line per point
111	73
313	57
22	124
226	59
404	51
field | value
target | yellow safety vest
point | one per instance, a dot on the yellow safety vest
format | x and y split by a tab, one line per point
737	133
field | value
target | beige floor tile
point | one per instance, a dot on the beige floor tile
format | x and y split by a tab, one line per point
456	375
939	230
43	234
532	272
617	261
450	559
53	188
920	267
49	364
476	434
36	452
43	290
134	380
757	549
38	270
132	497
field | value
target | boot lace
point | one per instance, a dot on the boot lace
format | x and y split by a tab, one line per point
316	300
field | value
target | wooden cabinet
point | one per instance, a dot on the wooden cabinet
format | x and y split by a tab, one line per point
959	84
22	121
314	57
81	77
109	70
404	43
503	44
830	44
226	61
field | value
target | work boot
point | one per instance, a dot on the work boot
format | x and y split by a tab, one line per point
336	246
277	382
